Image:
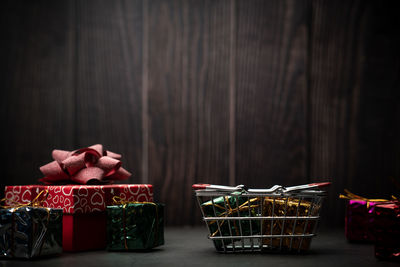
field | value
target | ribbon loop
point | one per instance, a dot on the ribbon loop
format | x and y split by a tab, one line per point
85	165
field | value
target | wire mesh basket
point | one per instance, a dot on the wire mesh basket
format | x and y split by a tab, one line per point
266	220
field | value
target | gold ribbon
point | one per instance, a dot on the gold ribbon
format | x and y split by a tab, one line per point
122	202
36	202
119	201
229	211
352	196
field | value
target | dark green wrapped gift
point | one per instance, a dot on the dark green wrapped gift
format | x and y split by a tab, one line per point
135	226
28	232
232	206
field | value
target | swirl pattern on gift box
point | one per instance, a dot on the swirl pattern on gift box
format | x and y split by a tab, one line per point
80	166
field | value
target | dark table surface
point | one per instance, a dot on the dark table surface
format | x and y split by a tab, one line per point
190	247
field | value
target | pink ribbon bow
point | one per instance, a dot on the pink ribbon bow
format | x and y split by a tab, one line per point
83	165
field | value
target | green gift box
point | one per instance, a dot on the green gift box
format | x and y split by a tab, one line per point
232	206
135	226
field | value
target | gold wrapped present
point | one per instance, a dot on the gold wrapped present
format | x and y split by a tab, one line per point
280	209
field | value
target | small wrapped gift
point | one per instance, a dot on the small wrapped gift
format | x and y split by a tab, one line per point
289	207
387	230
84	220
29	230
135	226
232	206
359	220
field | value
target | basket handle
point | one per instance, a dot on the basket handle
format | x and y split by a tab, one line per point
307	186
323	184
199	186
275	188
218	187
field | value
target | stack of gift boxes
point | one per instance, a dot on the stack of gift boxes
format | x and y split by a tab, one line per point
40	220
374	221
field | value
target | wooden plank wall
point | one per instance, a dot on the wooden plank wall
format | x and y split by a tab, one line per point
225	92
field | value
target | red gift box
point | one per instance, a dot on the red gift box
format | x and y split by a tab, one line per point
22	193
387	231
84	219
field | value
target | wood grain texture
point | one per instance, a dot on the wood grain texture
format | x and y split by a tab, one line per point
37	69
224	92
351	128
188	101
108	79
271	90
376	170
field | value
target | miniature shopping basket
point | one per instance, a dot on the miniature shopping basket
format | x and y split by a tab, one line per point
261	220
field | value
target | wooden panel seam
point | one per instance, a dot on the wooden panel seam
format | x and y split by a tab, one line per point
145	91
232	92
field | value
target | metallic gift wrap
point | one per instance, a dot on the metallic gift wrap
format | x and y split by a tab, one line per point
387	230
290	207
28	232
232	206
135	226
359	220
